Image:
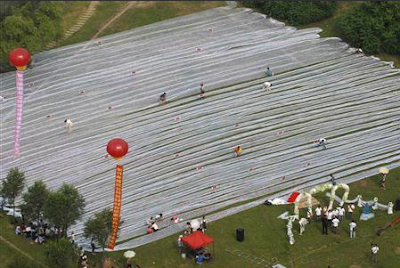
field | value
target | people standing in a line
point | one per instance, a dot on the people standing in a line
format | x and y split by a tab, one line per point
335	225
350	208
318	212
324	220
163	98
238	151
68	123
353	226
374	252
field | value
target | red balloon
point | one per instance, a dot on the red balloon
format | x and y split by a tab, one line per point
19	57
117	148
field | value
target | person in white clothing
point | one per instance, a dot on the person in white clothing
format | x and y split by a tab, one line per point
309	214
69	125
335	224
353	226
341	212
374	252
267	86
318	212
330	217
322	142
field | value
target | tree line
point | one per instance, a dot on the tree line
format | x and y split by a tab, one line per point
61	208
373	26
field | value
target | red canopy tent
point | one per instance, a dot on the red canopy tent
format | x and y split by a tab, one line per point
197	240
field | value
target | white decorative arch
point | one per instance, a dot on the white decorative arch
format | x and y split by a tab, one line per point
322	188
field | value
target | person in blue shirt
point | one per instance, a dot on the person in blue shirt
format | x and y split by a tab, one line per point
268	72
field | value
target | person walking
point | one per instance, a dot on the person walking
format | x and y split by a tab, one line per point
353	226
330	217
68	123
324	225
309	214
374	252
238	151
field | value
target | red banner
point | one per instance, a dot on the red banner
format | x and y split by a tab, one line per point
117	205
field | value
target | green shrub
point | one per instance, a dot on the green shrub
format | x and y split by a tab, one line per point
30	26
373	26
296	12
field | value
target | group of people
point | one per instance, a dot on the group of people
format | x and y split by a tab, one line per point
37	232
333	218
152	223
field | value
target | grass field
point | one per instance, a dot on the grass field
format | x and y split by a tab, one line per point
265	239
72	11
153	11
141	13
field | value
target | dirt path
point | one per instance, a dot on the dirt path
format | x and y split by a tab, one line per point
119	14
20	251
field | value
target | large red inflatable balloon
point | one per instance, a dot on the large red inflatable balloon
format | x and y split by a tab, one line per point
20	58
117	148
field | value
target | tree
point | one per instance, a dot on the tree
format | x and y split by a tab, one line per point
64	207
18	262
99	228
13	186
373	26
34	199
61	253
296	12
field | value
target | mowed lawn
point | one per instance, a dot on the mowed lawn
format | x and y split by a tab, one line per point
266	239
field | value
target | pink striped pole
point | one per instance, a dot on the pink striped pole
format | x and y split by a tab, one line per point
19	110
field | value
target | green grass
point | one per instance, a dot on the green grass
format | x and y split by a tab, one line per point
330	29
7	253
154	11
265	238
72	11
104	12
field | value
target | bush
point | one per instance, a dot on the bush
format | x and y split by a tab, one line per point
297	13
61	253
30	26
373	26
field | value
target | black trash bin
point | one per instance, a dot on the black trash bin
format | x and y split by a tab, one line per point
240	235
